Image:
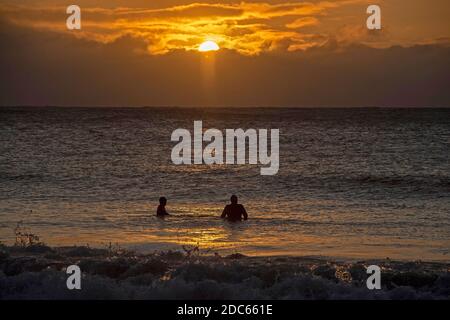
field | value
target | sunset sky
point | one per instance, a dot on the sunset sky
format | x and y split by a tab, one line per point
272	53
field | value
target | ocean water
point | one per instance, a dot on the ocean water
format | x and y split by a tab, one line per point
352	183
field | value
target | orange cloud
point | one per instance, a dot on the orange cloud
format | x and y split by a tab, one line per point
248	28
303	22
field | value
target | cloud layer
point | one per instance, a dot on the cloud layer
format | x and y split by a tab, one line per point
248	28
273	54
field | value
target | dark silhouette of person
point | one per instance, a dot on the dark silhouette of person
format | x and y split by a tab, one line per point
234	211
161	211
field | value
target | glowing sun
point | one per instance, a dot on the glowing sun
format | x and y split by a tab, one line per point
208	46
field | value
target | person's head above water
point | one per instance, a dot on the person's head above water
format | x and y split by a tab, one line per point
234	211
162	201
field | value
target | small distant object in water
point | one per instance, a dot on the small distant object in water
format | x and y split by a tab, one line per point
161	211
234	211
236	256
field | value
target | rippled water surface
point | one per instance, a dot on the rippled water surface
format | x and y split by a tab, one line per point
352	182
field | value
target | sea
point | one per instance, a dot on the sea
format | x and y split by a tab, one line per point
353	183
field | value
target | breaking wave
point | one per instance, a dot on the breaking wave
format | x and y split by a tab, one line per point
38	273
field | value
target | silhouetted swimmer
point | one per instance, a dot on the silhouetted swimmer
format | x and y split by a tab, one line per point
161	211
234	211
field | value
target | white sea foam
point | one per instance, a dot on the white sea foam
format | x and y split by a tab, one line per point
176	275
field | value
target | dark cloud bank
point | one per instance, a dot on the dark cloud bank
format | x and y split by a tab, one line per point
54	69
